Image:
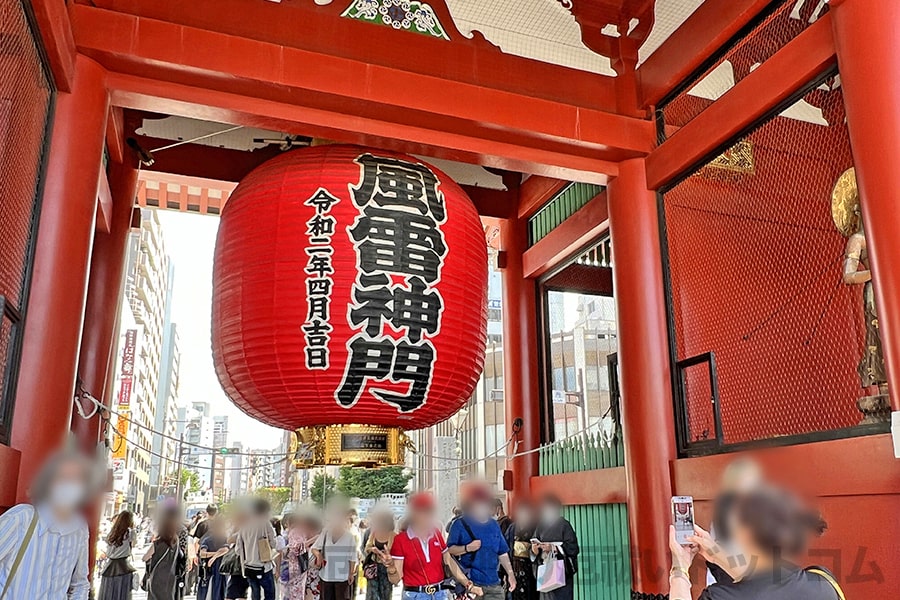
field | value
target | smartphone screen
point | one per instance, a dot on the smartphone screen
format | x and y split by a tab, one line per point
683	518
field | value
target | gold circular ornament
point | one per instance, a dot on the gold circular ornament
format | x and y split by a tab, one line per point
845	203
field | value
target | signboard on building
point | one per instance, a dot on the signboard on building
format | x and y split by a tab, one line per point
123	404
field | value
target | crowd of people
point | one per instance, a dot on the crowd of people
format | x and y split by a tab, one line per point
331	555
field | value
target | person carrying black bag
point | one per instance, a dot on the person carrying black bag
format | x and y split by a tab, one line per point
166	560
477	540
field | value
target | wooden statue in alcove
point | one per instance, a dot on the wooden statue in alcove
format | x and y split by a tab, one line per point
847	216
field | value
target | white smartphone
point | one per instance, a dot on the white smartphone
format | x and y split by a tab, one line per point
683	518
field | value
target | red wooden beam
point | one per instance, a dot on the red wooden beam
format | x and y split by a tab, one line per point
56	34
205	162
321	30
103	219
598	486
224	164
116	134
178	70
492	203
704	32
569	237
537	191
857	466
793	66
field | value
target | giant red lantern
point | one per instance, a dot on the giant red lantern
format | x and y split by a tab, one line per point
349	288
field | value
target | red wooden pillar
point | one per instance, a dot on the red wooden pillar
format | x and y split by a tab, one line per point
866	39
520	356
103	301
59	282
647	414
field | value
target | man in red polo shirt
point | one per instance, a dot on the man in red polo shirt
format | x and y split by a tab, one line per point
418	556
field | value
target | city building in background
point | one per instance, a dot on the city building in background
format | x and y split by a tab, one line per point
196	425
583	336
236	476
220	441
164	443
268	467
142	338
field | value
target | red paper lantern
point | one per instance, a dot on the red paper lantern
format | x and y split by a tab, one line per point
349	286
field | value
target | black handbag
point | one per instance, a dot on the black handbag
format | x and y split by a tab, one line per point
230	564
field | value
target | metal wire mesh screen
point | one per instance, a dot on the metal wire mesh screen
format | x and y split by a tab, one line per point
756	274
25	95
783	23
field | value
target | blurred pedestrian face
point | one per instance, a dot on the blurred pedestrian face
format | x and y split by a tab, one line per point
550	512
421	519
524	514
483	511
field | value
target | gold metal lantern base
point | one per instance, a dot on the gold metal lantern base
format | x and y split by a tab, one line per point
350	445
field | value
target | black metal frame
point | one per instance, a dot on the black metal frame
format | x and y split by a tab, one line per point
18	316
615	394
543	329
682	433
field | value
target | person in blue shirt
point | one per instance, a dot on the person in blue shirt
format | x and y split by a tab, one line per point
476	540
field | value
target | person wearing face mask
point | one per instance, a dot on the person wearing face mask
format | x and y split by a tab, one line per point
768	527
44	546
478	542
555	536
518	537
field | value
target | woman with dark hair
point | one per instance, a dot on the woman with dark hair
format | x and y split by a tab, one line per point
556	539
213	547
518	537
381	537
165	559
118	575
767	527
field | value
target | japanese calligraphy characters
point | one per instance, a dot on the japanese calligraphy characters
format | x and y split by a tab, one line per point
396	306
319	268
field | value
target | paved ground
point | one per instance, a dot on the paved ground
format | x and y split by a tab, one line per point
141	595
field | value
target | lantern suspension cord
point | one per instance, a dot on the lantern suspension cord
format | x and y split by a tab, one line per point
516	454
156	454
101	408
197	139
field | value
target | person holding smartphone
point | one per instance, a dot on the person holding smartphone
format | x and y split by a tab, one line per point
767	526
554	535
419	554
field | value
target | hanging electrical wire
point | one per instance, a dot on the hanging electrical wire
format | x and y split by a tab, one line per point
515	454
251	467
496	454
100	407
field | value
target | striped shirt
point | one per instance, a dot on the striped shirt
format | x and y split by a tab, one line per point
55	563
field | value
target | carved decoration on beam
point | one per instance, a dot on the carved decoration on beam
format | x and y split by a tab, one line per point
406	15
736	160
